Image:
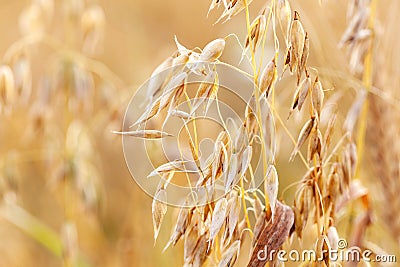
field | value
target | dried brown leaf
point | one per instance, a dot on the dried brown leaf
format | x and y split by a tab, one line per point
274	234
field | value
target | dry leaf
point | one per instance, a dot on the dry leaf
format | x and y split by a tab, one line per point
274	234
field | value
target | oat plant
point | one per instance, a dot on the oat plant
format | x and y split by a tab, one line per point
214	232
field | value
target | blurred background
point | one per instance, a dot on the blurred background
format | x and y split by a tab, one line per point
67	198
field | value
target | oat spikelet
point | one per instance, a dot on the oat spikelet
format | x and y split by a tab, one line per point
272	187
145	134
268	77
158	209
304	134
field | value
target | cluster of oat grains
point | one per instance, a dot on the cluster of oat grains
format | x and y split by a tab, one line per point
215	229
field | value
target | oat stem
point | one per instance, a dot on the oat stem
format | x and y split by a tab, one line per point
257	97
290	136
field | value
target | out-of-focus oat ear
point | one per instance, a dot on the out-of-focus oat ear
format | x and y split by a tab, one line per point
273	235
272	187
328	134
20	64
230	255
7	86
354	112
92	26
284	13
145	134
268	77
361	223
35	18
69	237
304	134
158	210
